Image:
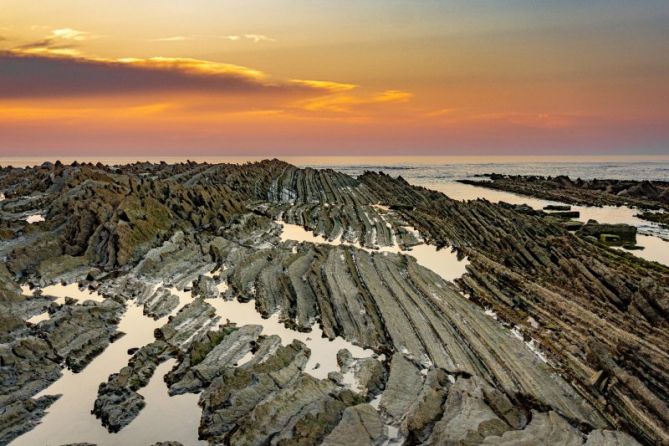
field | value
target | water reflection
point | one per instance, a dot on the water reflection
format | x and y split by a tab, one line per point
69	419
323	359
444	262
655	248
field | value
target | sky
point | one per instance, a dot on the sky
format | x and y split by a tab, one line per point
314	77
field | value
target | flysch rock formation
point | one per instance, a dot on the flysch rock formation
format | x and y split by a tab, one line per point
548	338
649	196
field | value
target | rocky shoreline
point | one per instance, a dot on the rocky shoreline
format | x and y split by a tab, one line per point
651	197
549	337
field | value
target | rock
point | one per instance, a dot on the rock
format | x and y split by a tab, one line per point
207	360
514	256
611	233
160	304
467	417
360	425
344	360
79	444
600	437
233	395
557	207
303	412
19	417
566	215
118	402
641	194
545	428
402	389
118	407
124	229
191	323
427	408
336	377
371	375
78	333
571	225
205	287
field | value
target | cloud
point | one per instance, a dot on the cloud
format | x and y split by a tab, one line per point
59	42
71	34
25	74
172	39
334	87
258	38
48	46
342	102
255	38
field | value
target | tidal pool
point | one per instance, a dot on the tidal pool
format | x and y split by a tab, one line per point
69	419
323	359
655	248
444	262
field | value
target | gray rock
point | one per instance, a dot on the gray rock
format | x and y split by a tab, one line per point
402	389
360	425
233	395
161	303
427	407
118	402
20	416
371	375
467	419
544	429
205	287
600	437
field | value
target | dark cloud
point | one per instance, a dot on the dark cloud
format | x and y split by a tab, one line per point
26	76
48	43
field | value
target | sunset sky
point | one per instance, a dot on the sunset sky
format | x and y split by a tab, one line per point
208	77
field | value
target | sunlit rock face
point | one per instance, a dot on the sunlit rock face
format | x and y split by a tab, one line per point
266	304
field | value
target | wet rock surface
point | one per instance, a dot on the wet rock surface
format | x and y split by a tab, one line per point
641	194
118	402
577	294
575	353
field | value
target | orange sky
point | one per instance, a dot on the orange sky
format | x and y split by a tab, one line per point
312	77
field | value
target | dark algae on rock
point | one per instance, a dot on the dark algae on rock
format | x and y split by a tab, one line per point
550	337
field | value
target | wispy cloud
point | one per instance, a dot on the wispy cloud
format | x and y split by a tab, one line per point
342	102
255	38
172	39
258	38
71	34
48	46
59	42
